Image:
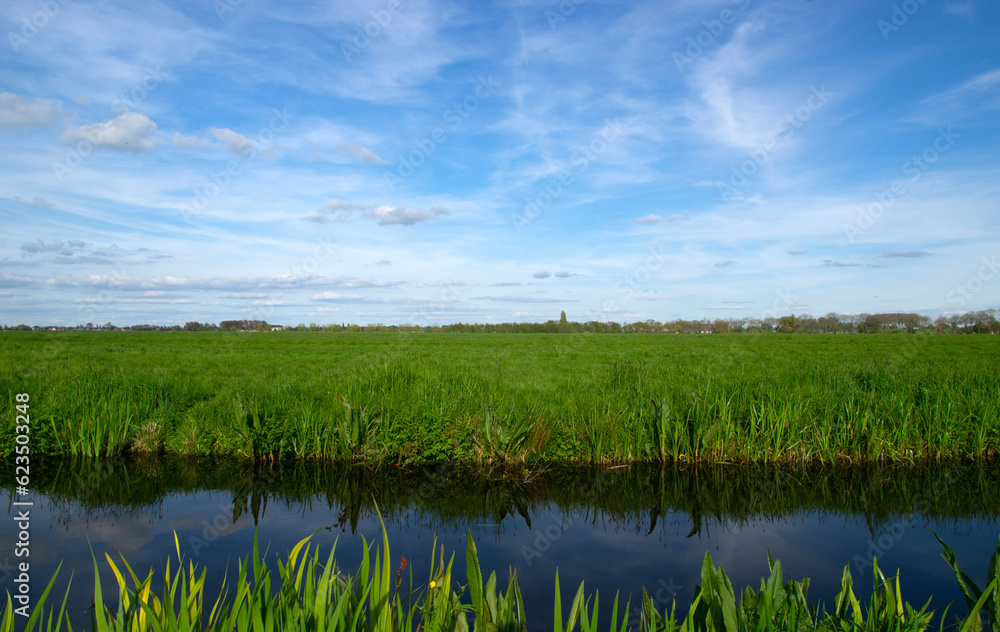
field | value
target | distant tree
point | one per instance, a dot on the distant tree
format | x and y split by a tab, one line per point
940	324
787	324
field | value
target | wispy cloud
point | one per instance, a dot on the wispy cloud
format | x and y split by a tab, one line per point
905	254
658	219
429	149
341	210
334	211
181	140
17	110
34	247
361	153
976	96
236	144
403	215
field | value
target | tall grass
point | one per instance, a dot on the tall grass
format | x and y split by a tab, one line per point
508	399
310	592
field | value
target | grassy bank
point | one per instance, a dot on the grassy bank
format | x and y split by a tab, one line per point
310	592
507	399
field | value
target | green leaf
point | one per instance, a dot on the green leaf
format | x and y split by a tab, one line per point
965	583
973	618
557	621
475	578
574	610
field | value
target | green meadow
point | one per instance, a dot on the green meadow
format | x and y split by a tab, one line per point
507	399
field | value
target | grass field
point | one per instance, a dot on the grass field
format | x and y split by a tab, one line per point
507	399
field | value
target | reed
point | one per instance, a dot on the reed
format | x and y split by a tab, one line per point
310	592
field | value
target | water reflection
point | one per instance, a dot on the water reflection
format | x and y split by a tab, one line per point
617	529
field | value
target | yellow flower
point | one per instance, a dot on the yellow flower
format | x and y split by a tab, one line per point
433	583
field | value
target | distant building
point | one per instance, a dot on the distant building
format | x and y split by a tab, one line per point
706	329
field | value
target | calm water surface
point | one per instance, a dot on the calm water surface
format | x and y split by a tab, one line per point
616	530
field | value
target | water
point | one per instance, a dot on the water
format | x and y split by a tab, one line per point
616	530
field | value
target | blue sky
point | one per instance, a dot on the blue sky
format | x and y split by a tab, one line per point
408	161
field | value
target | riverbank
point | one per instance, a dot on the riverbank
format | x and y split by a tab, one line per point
500	400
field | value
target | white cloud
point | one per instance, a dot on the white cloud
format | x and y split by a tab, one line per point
235	143
963	9
240	295
335	296
126	300
361	153
16	110
177	283
131	131
403	215
188	141
334	211
905	254
34	247
657	219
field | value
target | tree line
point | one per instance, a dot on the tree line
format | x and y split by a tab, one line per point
978	322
